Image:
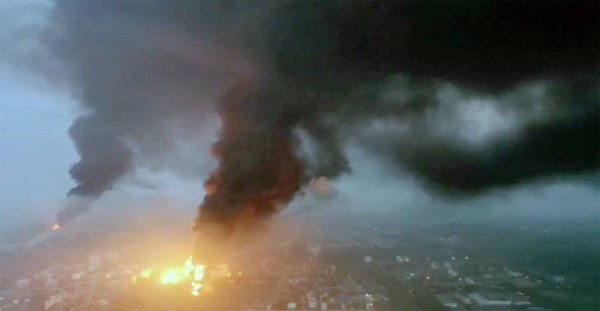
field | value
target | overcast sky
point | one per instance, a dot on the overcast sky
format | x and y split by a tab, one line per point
36	152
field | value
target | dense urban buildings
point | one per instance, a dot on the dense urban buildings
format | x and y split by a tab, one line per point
365	266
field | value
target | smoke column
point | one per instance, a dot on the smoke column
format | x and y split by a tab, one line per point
149	74
258	167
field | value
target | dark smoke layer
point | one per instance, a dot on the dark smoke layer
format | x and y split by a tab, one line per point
151	73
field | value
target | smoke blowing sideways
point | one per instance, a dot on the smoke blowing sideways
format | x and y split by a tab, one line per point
149	74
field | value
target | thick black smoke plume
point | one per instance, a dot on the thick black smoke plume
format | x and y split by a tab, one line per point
148	73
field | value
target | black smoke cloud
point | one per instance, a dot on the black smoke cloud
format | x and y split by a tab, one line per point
561	140
145	84
149	74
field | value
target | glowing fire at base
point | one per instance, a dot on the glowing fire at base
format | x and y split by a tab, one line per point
176	275
55	227
146	273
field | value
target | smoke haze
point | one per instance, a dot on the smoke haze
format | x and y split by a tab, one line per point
466	97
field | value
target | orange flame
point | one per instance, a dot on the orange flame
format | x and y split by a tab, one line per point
177	274
55	226
147	273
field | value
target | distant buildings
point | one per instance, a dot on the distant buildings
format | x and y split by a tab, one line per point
447	300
